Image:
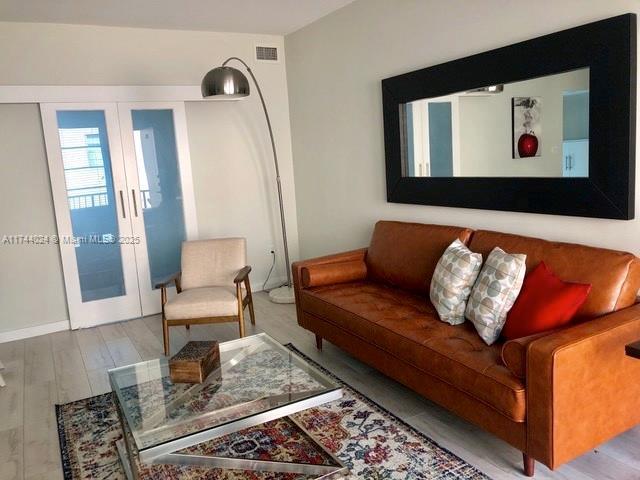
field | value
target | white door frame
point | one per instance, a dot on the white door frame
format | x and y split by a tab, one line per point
150	298
422	160
99	93
85	314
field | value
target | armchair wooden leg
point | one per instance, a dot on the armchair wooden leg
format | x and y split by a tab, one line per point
165	335
529	465
240	312
252	314
241	323
318	342
187	326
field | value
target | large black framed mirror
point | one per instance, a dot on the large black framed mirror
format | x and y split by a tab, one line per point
543	126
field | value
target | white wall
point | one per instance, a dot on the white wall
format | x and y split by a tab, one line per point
486	132
234	180
334	68
231	154
31	284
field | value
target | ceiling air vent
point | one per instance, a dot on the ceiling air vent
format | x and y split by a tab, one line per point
266	54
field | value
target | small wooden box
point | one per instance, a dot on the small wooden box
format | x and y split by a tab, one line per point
194	362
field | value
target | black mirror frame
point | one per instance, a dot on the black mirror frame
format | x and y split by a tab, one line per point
608	49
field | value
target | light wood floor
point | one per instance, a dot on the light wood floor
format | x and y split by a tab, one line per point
67	366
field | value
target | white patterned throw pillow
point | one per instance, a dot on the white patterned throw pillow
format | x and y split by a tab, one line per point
495	292
452	280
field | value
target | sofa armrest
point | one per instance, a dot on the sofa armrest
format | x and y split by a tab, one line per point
582	389
332	273
296	269
514	353
350	256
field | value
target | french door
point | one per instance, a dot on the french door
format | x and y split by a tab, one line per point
434	137
123	197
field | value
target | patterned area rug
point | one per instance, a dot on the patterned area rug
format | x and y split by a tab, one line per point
370	441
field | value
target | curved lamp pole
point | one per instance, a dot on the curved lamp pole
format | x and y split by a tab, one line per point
228	83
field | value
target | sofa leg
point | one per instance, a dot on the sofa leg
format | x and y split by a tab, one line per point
318	342
529	465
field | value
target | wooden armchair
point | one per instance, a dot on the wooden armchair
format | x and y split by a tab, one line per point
213	286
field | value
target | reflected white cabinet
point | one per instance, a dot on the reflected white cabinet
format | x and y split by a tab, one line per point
575	158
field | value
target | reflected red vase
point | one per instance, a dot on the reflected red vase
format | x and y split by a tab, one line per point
527	145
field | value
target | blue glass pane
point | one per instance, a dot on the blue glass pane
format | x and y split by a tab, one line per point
160	191
440	139
92	203
575	115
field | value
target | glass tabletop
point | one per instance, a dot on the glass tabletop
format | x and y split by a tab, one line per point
258	380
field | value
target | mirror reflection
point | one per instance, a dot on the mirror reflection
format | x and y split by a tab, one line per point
532	128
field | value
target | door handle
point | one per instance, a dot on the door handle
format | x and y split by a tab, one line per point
124	213
135	203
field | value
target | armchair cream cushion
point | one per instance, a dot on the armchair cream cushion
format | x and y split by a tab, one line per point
203	302
212	263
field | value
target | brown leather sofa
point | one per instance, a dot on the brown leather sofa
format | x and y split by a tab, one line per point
553	396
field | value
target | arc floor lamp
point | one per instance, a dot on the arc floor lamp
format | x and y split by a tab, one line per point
228	83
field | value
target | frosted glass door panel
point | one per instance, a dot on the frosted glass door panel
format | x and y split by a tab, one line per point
92	201
160	193
88	183
119	173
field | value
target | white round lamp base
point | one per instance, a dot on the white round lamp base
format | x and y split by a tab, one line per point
282	295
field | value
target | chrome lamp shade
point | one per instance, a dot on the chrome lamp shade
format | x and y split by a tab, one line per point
225	83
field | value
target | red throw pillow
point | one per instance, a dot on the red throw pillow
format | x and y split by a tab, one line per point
545	302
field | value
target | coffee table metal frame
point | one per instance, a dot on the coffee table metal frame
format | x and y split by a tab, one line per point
165	453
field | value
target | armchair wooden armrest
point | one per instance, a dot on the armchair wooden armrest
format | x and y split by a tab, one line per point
173	278
162	285
242	275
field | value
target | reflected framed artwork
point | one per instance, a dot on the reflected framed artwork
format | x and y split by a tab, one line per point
526	115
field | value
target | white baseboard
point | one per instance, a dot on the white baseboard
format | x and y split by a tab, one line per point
37	330
34	331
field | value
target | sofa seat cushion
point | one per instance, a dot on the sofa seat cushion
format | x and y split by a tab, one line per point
407	326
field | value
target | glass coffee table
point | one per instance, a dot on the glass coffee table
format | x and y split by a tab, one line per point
181	425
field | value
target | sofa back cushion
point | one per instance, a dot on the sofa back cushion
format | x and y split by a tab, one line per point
405	254
614	275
